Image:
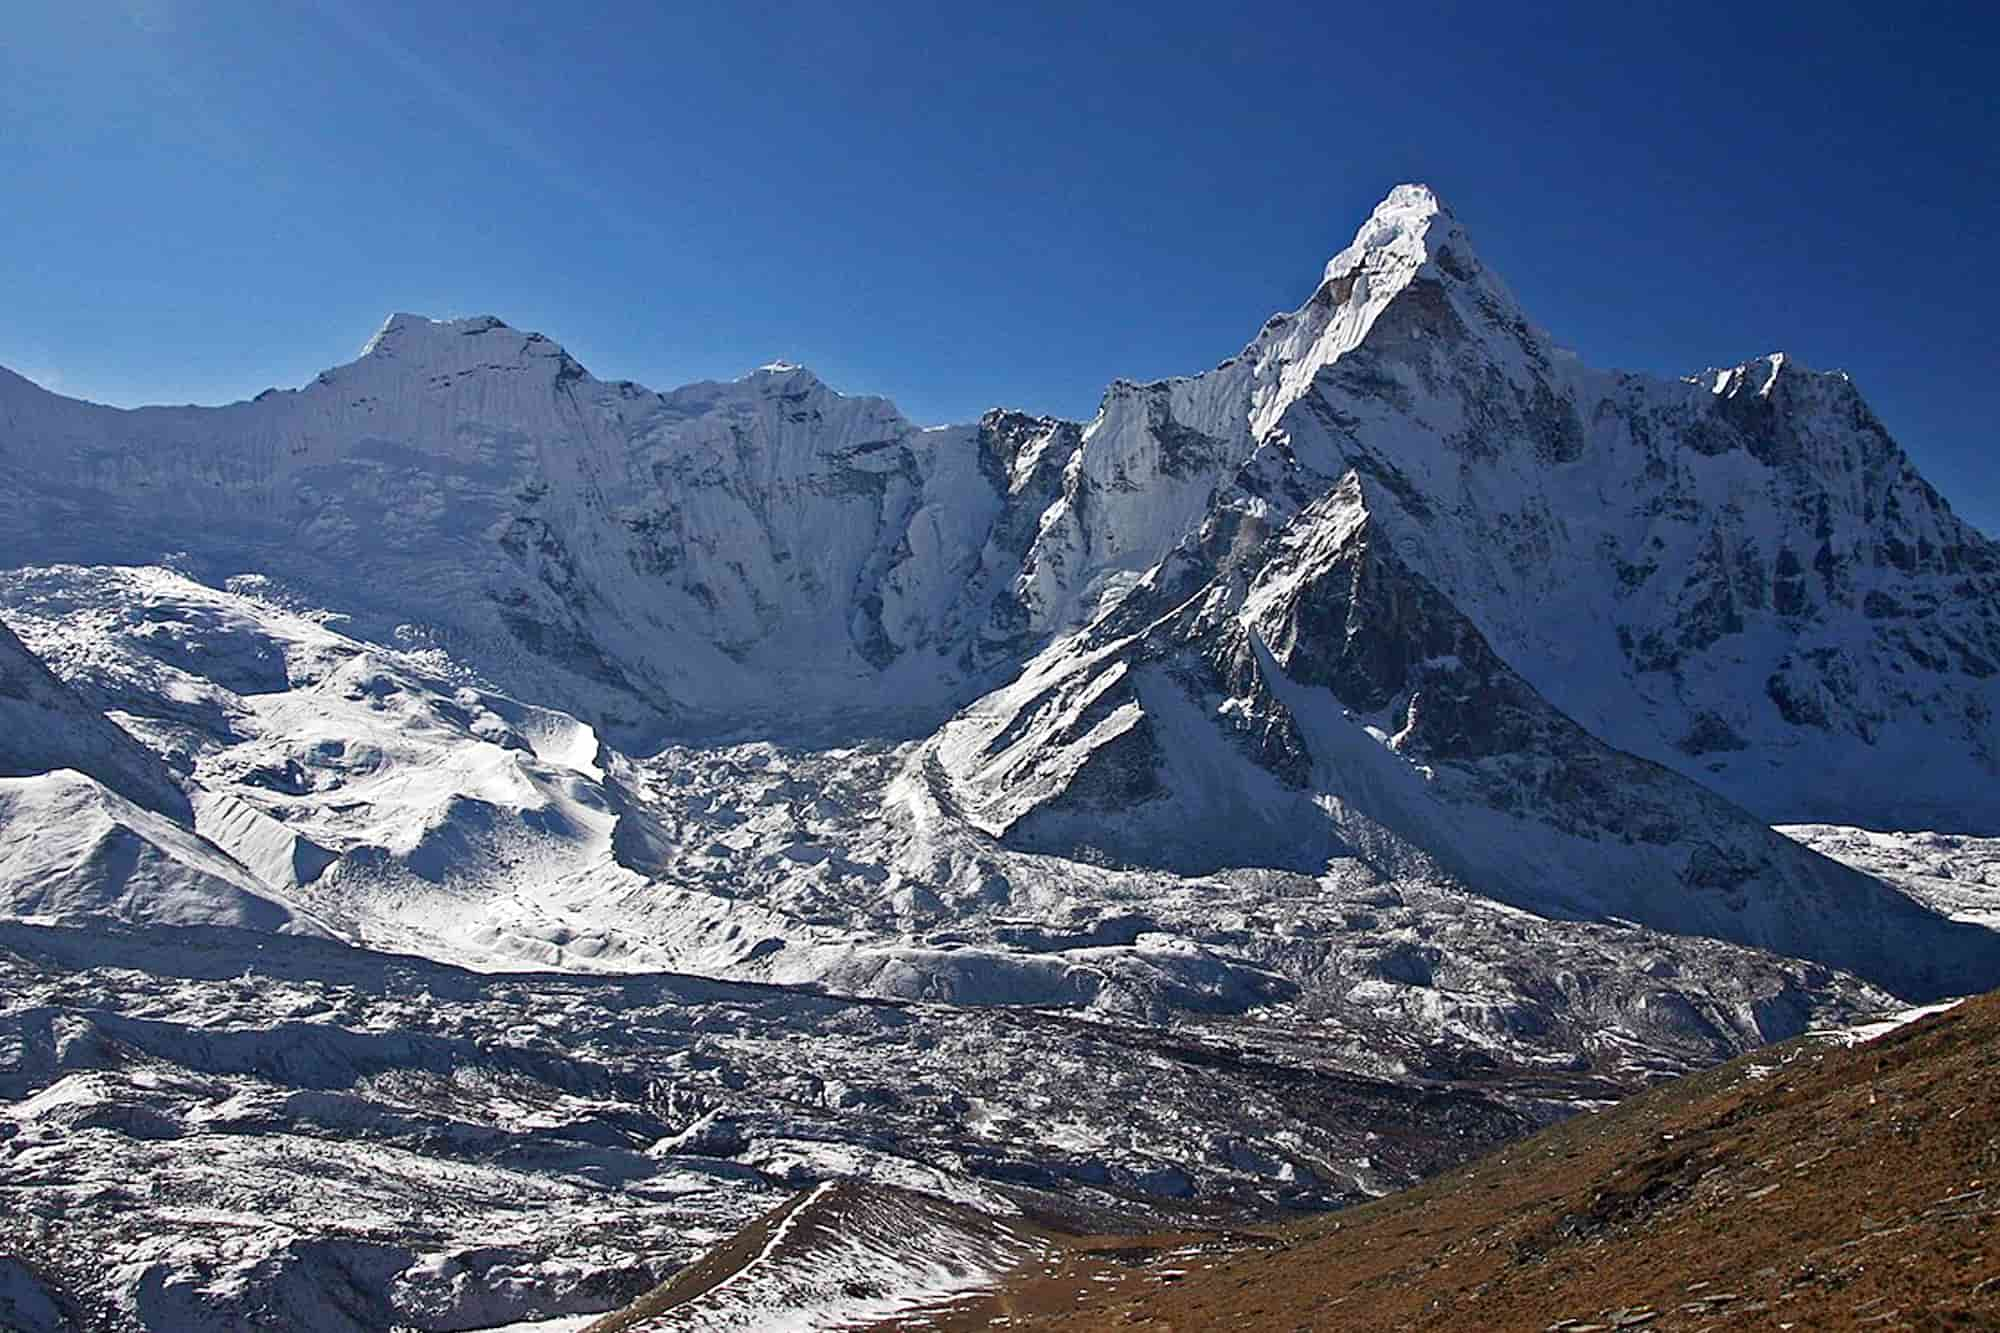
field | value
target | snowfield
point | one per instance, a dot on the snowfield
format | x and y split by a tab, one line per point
473	836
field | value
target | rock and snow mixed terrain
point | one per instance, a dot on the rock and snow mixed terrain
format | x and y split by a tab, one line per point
1739	575
1262	794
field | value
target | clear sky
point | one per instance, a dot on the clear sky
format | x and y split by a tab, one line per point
978	205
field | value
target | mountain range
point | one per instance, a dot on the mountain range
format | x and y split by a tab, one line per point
1401	697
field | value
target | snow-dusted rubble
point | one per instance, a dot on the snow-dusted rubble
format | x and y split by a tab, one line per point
473	835
197	1124
1950	873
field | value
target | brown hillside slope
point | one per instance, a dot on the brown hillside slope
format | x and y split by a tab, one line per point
1803	1186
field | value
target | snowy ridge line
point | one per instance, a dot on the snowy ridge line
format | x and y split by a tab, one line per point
873	1253
767	556
778	1234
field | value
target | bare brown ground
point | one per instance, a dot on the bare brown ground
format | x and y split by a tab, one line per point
1839	1188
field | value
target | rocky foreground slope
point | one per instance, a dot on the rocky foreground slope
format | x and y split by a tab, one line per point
1807	1186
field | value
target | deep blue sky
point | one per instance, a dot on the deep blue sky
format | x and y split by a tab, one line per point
962	206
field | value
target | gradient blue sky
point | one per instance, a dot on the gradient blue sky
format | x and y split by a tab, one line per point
967	206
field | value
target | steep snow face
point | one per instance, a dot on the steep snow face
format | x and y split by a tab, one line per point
693	559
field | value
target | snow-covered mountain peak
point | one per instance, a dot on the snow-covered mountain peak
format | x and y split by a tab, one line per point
1412	235
403	333
1397	234
784	377
479	364
766	550
417	344
1773	373
1785	412
1756	377
1409	284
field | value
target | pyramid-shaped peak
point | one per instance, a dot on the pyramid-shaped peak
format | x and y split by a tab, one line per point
1409	228
1412	197
404	332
